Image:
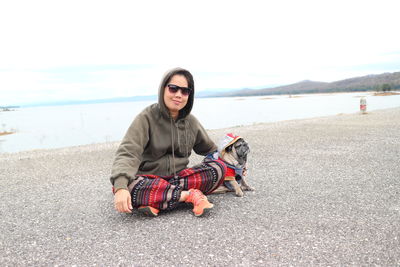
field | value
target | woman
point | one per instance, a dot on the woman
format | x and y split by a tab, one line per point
150	168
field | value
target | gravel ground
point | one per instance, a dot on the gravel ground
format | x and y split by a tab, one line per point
327	193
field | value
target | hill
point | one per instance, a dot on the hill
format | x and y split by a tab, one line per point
365	83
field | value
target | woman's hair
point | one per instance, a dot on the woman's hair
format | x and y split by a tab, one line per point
179	71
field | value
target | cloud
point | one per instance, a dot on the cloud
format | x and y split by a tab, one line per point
97	49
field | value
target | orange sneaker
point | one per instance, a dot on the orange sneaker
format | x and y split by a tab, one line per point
200	202
149	211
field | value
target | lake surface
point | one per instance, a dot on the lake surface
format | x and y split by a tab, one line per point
63	126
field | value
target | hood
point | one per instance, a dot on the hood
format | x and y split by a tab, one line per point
226	141
167	77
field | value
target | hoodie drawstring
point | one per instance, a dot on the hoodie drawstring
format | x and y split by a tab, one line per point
186	141
173	147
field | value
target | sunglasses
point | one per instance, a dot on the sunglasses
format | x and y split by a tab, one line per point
175	88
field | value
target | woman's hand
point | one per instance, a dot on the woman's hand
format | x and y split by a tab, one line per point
122	201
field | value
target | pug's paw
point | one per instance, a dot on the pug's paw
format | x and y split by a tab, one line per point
239	192
247	188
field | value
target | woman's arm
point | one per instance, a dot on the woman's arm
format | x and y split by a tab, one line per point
127	161
129	154
203	144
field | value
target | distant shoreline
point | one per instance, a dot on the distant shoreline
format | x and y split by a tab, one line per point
6	133
154	98
6	109
213	132
386	94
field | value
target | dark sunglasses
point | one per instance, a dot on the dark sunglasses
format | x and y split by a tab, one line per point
174	88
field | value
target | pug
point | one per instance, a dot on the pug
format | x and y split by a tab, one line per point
233	150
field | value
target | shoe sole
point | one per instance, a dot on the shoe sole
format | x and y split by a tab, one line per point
206	211
147	211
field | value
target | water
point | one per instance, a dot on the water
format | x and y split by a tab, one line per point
63	126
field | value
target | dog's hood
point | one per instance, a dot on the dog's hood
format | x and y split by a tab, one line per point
226	141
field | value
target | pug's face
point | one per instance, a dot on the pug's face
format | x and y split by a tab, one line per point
239	151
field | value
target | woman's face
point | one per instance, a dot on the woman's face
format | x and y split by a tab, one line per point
176	101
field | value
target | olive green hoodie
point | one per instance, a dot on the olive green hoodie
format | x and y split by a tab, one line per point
157	144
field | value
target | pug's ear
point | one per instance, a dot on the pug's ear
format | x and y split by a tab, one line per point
228	148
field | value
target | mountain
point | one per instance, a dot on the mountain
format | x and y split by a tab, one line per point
364	83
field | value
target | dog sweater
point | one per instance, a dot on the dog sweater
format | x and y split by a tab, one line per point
232	173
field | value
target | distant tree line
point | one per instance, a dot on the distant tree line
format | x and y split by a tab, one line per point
385	87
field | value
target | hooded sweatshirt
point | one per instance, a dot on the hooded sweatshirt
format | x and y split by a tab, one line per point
157	144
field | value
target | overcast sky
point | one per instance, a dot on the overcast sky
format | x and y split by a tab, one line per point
64	50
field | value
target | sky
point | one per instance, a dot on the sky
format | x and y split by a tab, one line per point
81	50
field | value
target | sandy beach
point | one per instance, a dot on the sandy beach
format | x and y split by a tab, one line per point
327	193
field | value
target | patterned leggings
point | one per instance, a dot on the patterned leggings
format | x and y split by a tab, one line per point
163	192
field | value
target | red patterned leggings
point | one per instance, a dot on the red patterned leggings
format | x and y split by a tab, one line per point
163	192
